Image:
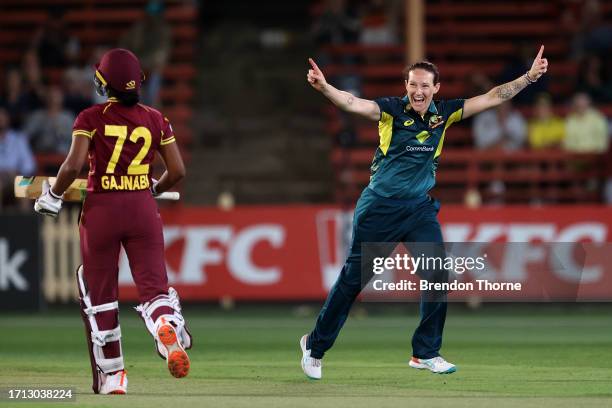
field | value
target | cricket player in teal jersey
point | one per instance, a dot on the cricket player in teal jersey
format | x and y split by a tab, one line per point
395	207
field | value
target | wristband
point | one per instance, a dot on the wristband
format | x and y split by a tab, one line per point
531	81
52	194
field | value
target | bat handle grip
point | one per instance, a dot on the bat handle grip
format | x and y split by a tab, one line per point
169	195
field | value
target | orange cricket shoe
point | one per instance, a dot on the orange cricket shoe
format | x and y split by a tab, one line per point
178	361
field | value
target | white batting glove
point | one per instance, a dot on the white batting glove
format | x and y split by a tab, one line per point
48	203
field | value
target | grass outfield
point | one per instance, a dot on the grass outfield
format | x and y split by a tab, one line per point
250	358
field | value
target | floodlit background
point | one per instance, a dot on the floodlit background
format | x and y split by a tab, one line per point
274	170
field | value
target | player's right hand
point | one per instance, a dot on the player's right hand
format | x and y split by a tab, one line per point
315	77
48	203
154	187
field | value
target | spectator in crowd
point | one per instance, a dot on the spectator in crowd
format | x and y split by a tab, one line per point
50	130
546	130
500	128
150	39
592	81
380	22
478	83
17	101
335	25
77	94
586	129
52	44
15	158
33	83
591	34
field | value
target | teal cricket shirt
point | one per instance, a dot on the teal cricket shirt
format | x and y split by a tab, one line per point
405	162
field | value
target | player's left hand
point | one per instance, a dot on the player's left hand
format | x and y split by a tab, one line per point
539	66
48	203
315	76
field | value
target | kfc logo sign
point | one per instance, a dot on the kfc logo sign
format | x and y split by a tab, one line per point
525	232
220	245
530	244
296	252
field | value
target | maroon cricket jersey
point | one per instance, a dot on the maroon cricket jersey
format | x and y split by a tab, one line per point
124	140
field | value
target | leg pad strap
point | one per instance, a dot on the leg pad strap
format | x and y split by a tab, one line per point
100	338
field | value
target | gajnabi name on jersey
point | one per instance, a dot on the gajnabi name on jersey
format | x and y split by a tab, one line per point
131	183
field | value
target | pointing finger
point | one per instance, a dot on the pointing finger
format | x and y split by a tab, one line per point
540	52
314	65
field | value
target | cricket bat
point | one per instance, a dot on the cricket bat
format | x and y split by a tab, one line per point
31	187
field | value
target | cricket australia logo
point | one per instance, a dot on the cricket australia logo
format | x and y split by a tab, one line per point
435	121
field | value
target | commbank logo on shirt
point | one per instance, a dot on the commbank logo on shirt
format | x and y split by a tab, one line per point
419	148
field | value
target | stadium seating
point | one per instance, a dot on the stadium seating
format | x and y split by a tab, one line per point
536	176
464	37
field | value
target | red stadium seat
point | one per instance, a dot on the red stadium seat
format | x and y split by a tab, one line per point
96	23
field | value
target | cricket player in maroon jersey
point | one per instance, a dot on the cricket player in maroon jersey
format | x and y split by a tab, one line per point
120	138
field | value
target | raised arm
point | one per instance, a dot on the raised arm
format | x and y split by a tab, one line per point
342	99
506	91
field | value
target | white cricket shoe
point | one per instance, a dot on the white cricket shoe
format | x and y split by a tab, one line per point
436	365
310	366
114	383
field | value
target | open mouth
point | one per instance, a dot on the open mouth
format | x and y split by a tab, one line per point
418	99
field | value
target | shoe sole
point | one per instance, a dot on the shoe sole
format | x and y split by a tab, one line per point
303	347
178	361
419	366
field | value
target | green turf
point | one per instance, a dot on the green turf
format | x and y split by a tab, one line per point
505	359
